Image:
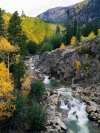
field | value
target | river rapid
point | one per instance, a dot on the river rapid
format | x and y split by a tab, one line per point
77	119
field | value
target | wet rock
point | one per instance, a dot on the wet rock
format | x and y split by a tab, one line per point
59	121
64	114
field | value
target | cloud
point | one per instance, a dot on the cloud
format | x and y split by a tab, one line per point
33	7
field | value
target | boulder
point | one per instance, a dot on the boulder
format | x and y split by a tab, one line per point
90	109
59	121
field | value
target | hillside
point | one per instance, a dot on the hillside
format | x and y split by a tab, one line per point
86	11
58	14
35	29
91	12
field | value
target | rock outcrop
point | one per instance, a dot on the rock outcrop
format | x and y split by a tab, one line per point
58	63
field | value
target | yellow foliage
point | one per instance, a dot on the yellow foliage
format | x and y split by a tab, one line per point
73	41
6	87
91	35
5	46
17	58
26	84
99	32
78	65
83	39
63	46
37	30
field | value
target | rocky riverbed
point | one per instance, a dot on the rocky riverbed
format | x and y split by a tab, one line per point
91	96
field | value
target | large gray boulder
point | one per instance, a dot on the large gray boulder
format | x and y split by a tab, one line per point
58	63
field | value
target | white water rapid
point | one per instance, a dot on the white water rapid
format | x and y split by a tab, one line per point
76	111
77	119
46	79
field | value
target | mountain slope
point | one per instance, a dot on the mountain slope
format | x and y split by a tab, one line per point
35	29
58	14
91	12
86	11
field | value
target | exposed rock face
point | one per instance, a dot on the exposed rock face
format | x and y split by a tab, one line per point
58	63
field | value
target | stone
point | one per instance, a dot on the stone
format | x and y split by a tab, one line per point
90	109
59	121
64	114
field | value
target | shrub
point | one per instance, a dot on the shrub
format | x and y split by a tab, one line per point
78	65
27	115
98	32
46	47
73	41
37	90
31	47
91	35
56	41
16	121
36	118
63	46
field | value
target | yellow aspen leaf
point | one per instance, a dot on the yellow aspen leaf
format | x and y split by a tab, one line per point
63	46
73	41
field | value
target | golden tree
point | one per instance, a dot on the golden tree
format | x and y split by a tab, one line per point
63	46
6	87
73	41
91	35
98	32
78	65
6	49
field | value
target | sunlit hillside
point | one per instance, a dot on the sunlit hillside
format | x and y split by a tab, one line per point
35	29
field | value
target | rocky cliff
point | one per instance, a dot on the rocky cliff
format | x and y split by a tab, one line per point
61	64
58	63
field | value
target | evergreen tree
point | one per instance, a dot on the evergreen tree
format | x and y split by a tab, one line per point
14	28
18	73
2	30
68	32
15	34
57	30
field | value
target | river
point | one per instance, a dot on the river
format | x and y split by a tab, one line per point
77	119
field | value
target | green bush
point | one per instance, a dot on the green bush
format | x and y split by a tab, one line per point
36	118
37	90
31	47
56	41
28	116
17	120
46	47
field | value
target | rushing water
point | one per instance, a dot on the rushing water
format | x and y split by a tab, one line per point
77	119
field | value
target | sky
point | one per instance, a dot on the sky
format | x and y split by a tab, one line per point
33	8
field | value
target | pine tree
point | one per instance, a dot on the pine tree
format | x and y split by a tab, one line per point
57	30
15	34
14	28
2	30
68	32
